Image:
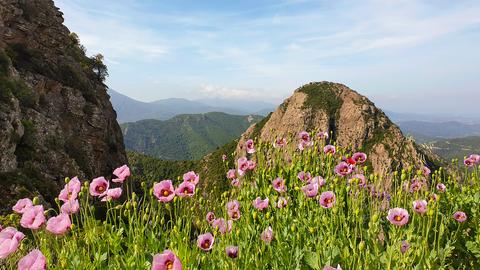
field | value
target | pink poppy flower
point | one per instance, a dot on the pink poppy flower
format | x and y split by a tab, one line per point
112	194
359	179
205	241
234	214
282	202
251	164
416	185
404	247
242	165
329	149
164	191
398	216
222	225
9	241
460	216
420	206
224	157
319	180
191	177
304	136
122	173
250	146
267	235
322	135
167	260
233	205
232	251
231	174
469	162
260	204
70	207
279	143
99	187
210	217
304	176
475	158
59	225
185	189
426	171
33	217
279	185
235	182
71	190
22	205
33	261
433	197
343	169
327	199
310	190
360	157
441	187
328	267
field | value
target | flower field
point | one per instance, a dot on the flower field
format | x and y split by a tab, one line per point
295	203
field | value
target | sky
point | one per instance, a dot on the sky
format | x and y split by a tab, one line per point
405	55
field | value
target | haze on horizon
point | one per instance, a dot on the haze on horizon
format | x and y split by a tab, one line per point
406	56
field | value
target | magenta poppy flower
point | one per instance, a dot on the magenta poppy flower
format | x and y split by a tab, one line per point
99	187
343	169
304	136
59	225
441	187
235	182
112	194
359	157
222	225
304	176
233	205
279	185
250	146
469	162
416	185
310	190
22	205
327	199
475	158
205	241
70	207
251	164
460	216
122	173
71	190
279	143
167	260
420	206
329	149
210	217
185	189
33	217
267	235
260	204
191	177
242	165
319	180
34	260
398	216
433	197
404	247
164	191
328	267
282	202
232	251
322	135
234	214
9	241
231	174
426	171
359	179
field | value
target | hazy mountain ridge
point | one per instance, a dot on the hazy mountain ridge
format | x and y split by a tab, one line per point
426	131
455	148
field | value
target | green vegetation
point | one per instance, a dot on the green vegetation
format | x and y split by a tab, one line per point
455	148
322	96
185	137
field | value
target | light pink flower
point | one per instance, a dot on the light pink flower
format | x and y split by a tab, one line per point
327	199
404	247
185	189
251	164
231	174
460	216
70	207
232	251
122	173
164	191
9	240
224	157
279	185
222	226
359	157
33	261
279	143
322	135
426	171
233	205
304	136
166	261
319	180
282	202
310	190
398	216
235	182
475	158
242	165
205	241
441	187
416	185
59	225
469	162
191	177
328	267
71	190
329	149
267	235
113	194
359	178
22	205
33	217
343	169
99	187
260	204
420	206
210	217
250	146
304	176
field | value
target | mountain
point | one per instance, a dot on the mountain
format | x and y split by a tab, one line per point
435	118
183	137
434	130
131	110
55	115
352	120
455	148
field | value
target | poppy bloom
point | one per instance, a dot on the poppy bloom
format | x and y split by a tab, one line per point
279	143
166	261
327	199
415	186
475	158
310	190
282	202
185	189
304	176
460	216
260	204
351	162
420	206
469	162
426	171
164	191
113	193
232	251
359	179
231	174
34	260
441	187
267	235
360	157
99	187
205	241
404	247
233	205
328	267
222	225
33	217
224	157
279	185
210	217
191	177
343	169
234	214
329	149
304	136
59	225
70	191
235	182
70	207
398	216
251	164
122	173
22	205
250	146
433	197
242	165
322	135
319	180
9	241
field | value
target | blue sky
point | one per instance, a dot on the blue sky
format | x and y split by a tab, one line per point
407	56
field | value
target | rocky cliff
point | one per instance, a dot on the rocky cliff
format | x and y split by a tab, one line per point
352	120
55	115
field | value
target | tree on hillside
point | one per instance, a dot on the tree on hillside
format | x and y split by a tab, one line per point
98	67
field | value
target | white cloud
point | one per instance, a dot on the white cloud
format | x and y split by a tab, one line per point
222	92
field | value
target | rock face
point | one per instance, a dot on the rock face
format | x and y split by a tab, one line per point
352	120
55	115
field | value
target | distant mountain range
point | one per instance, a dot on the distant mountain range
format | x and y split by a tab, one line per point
455	148
131	110
424	131
185	137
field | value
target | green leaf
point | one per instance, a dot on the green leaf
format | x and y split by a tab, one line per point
311	259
